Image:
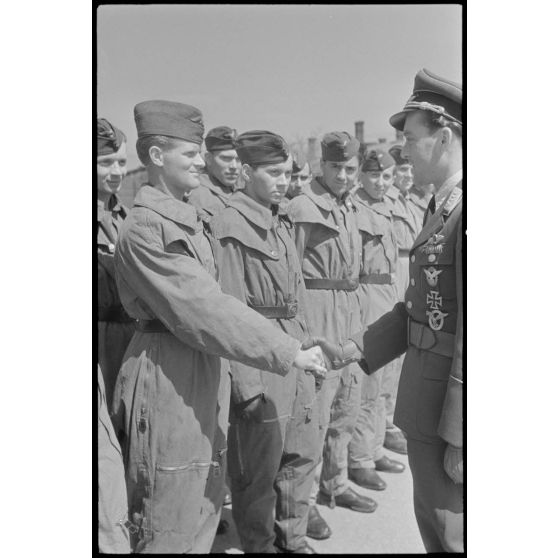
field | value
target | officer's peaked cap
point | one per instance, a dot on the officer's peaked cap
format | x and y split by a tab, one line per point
434	94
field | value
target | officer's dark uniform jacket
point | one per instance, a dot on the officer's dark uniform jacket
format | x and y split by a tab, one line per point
210	196
114	326
429	325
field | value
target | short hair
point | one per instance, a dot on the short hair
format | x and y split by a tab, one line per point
436	121
144	144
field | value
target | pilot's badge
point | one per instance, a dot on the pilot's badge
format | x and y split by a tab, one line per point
436	319
432	275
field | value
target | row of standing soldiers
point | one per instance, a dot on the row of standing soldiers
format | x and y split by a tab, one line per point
208	295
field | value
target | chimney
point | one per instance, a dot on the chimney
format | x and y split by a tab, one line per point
313	155
359	130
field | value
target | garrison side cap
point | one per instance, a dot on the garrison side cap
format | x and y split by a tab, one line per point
377	160
434	94
109	137
339	146
220	138
395	152
168	118
261	147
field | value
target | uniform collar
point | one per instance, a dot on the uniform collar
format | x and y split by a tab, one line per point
219	189
169	207
253	211
115	206
444	191
323	198
418	197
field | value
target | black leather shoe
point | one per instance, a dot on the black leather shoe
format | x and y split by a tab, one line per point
349	499
223	527
304	549
388	465
317	527
367	478
395	441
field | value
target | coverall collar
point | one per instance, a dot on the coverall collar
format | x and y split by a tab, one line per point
169	207
253	211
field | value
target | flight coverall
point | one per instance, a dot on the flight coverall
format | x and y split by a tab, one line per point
114	327
407	228
113	503
377	294
429	326
210	196
166	398
418	202
329	247
274	446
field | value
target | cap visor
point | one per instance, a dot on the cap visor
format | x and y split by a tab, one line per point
398	120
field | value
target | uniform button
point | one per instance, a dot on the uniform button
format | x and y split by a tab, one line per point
337	227
413	258
409	304
432	258
273	253
111	247
413	281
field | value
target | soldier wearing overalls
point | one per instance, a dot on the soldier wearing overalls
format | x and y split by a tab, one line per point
114	326
272	422
329	247
377	294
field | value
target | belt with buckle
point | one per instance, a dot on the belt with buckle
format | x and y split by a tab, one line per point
377	279
422	337
332	284
113	314
286	311
151	326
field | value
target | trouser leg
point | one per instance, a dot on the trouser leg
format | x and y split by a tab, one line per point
438	500
344	413
216	482
254	458
389	387
366	445
324	401
294	481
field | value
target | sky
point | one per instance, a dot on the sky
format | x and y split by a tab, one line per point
298	70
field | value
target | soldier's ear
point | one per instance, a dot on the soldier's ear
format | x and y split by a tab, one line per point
246	172
156	155
446	135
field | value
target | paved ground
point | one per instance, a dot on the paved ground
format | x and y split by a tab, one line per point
390	529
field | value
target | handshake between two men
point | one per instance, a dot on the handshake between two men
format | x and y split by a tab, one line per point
339	355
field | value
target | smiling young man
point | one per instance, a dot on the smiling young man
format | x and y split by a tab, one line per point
428	325
114	326
329	247
166	397
222	167
272	428
377	295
